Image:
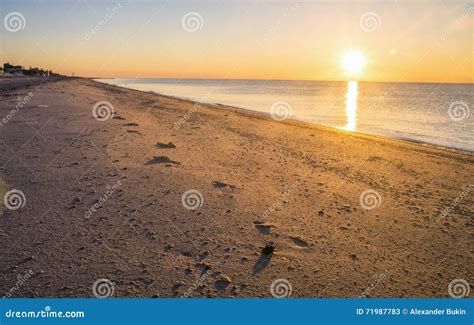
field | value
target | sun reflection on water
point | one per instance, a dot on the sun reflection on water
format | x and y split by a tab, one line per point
351	105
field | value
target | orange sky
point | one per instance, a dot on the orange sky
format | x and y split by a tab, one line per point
401	40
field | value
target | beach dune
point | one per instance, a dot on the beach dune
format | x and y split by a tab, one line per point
165	197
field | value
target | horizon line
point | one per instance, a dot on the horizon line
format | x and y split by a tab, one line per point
260	79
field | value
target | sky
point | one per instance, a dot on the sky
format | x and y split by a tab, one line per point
401	41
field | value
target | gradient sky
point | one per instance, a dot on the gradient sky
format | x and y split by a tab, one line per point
416	40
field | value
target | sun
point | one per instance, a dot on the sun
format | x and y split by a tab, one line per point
353	63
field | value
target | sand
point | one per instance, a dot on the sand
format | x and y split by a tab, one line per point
290	187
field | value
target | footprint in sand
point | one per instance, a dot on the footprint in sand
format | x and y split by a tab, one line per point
263	228
162	160
168	145
299	242
130	124
264	259
218	184
133	131
118	117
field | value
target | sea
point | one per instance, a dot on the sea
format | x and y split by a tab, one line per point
434	113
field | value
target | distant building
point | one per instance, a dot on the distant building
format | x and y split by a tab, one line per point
20	71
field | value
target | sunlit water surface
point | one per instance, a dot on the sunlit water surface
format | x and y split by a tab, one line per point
430	113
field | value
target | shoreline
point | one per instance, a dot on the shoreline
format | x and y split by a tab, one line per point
296	122
325	210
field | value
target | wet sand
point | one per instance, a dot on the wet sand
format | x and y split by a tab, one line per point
272	201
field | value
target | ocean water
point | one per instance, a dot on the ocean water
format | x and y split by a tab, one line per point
433	113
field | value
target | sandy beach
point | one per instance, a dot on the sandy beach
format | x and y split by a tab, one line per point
332	213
